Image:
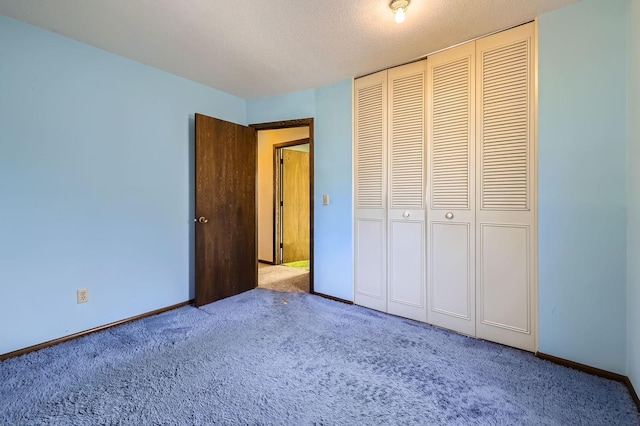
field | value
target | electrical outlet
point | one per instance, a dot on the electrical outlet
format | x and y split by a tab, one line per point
83	295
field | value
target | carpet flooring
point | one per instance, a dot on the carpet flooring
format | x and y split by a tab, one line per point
265	358
283	278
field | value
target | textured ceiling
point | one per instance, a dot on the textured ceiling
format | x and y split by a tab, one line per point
254	48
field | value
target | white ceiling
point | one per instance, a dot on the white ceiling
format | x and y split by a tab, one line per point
254	48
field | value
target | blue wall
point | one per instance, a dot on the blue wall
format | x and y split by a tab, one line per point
582	183
288	106
633	214
330	106
96	166
333	176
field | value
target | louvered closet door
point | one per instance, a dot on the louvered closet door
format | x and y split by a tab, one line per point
451	189
406	235
505	217
370	150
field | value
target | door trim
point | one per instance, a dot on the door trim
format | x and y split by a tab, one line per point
300	122
276	194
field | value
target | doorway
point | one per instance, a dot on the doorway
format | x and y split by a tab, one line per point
284	202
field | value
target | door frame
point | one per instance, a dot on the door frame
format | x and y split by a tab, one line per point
277	195
301	122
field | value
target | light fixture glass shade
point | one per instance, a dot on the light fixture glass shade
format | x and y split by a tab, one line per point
399	8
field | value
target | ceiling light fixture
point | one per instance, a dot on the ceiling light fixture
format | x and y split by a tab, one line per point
399	8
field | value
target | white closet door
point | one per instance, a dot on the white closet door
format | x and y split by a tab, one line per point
370	228
451	187
505	217
406	235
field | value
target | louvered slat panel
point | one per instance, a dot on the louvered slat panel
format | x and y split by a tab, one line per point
505	111
450	143
369	147
407	141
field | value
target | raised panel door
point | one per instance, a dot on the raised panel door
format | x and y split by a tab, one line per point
370	195
505	166
451	189
406	235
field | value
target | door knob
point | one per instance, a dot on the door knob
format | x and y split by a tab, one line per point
449	215
203	219
406	214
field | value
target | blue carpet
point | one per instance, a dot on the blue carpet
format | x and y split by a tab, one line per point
280	358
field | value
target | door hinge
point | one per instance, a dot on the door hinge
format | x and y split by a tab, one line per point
281	161
281	245
281	203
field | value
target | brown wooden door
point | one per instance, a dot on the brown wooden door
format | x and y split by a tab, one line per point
226	255
295	209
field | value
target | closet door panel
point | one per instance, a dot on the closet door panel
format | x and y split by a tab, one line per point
370	270
451	189
504	277
406	136
450	273
505	218
406	257
370	153
406	246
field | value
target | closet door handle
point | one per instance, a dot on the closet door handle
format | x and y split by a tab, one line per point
406	214
449	215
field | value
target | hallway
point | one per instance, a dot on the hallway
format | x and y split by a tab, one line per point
283	278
